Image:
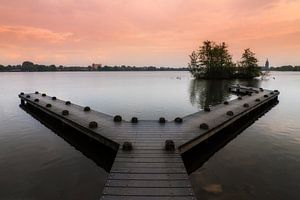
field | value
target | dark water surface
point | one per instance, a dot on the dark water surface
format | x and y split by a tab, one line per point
263	162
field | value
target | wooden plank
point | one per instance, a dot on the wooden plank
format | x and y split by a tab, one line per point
149	155
149	160
149	170
159	165
161	191
149	183
149	151
120	176
114	197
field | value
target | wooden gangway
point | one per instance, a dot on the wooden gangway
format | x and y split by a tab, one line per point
148	164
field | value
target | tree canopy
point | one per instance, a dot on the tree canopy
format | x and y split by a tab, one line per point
248	65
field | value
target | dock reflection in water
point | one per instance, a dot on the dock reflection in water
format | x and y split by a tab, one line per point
194	159
100	154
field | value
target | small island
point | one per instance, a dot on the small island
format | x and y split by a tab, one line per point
213	61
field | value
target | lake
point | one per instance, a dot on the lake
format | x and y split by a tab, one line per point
262	162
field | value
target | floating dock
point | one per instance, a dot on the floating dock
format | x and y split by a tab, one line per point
148	164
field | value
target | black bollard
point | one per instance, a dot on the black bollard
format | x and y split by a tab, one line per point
169	145
134	120
207	109
127	146
117	118
65	112
204	126
229	113
246	105
162	120
93	124
86	109
178	120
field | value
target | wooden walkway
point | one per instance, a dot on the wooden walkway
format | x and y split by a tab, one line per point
148	174
149	171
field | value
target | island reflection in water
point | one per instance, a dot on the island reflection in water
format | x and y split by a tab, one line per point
205	93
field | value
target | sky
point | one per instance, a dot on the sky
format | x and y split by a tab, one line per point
146	32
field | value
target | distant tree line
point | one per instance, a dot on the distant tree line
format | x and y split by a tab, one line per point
134	68
213	61
215	69
28	66
286	68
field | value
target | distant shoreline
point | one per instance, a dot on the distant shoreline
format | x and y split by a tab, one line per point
157	70
105	71
31	67
28	66
173	70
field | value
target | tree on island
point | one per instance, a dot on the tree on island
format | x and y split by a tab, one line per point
248	66
213	61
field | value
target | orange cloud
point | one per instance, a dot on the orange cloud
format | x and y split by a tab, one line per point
23	33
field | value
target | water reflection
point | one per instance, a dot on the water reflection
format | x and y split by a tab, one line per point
261	163
211	92
194	160
208	92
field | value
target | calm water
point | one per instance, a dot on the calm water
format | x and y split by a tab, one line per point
263	162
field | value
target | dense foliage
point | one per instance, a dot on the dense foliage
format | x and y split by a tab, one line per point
213	60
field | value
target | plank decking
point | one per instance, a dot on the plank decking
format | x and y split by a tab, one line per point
149	171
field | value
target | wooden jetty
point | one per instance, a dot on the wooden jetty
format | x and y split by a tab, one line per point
239	89
148	164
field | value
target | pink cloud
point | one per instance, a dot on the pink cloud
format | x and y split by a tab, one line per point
145	32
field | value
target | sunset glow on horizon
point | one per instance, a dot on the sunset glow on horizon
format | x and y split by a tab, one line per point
145	32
